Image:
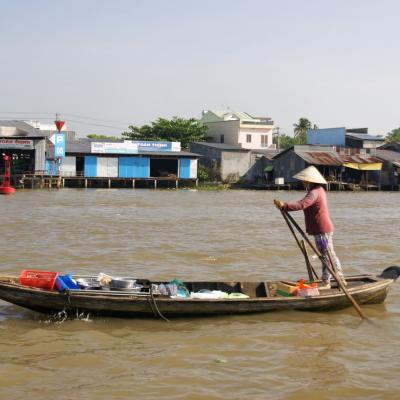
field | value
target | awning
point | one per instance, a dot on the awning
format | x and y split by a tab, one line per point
269	168
364	166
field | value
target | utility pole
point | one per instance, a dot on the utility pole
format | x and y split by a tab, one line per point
276	133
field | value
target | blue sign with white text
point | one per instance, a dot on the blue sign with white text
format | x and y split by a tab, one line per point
157	146
59	145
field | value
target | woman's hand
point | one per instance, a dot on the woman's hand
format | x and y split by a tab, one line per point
279	203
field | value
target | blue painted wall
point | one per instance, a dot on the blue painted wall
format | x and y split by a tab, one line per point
134	167
328	136
90	166
51	167
184	168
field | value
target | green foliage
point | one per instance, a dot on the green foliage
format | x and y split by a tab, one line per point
300	135
203	173
94	136
300	130
174	130
393	136
285	141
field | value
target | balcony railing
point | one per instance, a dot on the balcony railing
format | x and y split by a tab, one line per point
257	122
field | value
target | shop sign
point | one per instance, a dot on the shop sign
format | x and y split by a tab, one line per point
114	148
157	146
23	144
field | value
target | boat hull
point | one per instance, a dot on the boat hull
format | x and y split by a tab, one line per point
129	305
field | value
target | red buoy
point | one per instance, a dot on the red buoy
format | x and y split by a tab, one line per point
5	187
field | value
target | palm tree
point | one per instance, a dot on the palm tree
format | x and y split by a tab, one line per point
300	130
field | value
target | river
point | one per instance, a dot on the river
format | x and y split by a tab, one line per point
203	235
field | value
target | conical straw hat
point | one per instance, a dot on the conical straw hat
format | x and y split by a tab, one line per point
310	174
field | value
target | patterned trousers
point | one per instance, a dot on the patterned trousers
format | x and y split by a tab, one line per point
324	242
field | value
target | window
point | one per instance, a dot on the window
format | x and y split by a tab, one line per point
221	138
248	138
264	140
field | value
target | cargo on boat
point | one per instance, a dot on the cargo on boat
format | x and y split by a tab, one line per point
142	298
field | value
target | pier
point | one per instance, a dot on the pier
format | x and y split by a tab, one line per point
42	181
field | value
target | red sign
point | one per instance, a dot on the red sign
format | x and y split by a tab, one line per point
59	125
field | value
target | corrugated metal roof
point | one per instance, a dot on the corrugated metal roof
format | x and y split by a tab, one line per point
359	159
83	146
268	153
320	158
364	136
390	146
389	155
332	158
222	146
17	128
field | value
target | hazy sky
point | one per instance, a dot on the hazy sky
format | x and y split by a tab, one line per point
120	62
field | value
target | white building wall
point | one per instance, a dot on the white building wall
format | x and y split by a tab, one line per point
107	167
193	169
256	134
234	165
68	166
230	130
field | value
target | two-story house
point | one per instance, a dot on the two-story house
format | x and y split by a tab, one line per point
239	129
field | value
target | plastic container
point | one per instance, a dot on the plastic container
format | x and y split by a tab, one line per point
38	278
308	291
64	282
69	281
60	285
286	289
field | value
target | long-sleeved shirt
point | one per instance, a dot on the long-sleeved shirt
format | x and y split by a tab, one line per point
316	213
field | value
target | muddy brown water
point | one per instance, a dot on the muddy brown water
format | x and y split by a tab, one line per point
188	234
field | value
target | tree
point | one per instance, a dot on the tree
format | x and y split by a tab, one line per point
174	130
94	136
300	130
393	136
285	141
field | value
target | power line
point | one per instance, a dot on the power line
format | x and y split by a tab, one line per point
97	119
68	120
24	112
63	114
100	125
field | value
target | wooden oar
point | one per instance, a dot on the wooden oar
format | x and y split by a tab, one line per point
317	252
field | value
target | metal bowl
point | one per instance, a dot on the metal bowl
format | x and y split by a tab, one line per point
121	284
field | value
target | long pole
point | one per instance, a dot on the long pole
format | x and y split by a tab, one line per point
310	270
317	252
308	263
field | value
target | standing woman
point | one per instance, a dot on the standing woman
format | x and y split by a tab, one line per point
317	219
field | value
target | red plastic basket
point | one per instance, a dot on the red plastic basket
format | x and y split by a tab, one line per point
38	278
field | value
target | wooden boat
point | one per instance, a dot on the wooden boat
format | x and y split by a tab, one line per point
263	297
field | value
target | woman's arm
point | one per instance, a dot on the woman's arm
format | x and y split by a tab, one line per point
309	199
